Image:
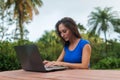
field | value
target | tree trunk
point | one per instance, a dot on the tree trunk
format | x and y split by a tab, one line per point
20	27
105	42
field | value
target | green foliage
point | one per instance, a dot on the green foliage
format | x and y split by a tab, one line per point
108	63
102	60
51	53
99	55
8	59
8	62
49	45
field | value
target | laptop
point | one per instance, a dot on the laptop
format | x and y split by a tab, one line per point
30	59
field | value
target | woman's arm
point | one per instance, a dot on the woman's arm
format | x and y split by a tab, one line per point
85	59
51	63
60	58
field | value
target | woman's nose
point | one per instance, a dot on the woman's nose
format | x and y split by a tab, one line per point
62	35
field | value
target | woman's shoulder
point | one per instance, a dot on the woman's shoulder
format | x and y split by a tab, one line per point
84	41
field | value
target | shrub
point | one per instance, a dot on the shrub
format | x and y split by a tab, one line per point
8	62
108	63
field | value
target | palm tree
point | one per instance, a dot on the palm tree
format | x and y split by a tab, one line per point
81	28
102	21
23	11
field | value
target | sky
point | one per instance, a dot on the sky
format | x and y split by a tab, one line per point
53	10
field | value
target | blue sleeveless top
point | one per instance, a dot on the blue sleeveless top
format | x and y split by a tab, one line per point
75	56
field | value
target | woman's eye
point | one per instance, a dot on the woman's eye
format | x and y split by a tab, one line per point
64	31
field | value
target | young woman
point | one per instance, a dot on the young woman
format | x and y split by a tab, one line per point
77	51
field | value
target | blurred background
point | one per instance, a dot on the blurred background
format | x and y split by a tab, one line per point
33	22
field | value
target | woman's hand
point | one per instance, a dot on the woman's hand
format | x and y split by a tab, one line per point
45	62
53	63
57	63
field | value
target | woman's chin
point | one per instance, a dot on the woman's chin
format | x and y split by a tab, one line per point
66	40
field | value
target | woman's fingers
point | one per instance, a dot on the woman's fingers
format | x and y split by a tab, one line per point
50	64
45	62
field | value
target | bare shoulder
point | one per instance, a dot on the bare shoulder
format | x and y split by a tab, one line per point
87	47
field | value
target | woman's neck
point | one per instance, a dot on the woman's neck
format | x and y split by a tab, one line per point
74	40
73	43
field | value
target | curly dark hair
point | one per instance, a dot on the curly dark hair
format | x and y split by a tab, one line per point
70	24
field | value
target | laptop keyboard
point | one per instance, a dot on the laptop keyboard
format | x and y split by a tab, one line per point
55	67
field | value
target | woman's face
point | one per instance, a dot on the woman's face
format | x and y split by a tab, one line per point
65	33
